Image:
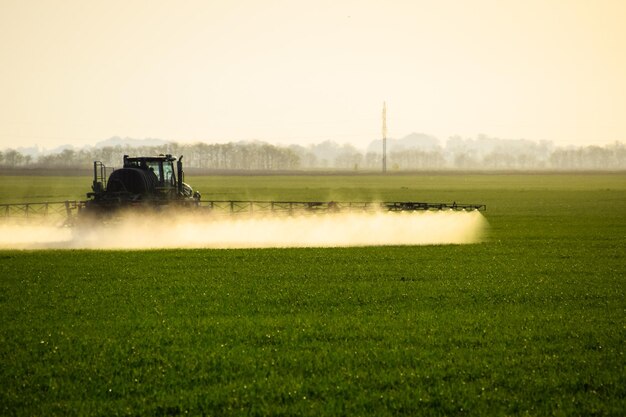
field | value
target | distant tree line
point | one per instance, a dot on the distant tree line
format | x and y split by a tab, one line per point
481	153
236	156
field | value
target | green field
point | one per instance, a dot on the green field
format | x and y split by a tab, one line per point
530	322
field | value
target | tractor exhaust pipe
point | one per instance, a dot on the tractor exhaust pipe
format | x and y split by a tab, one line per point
181	174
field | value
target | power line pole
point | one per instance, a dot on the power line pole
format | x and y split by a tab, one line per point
384	137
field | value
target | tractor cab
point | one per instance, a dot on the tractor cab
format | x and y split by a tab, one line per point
159	168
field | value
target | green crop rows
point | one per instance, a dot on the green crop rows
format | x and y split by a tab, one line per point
530	322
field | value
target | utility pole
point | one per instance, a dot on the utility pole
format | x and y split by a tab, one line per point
384	137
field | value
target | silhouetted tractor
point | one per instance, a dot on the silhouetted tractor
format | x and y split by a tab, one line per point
150	182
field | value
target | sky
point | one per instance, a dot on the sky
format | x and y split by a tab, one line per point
78	72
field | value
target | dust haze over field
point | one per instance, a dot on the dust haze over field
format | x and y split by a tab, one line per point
157	232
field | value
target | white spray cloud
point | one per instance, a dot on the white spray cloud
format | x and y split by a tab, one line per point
156	232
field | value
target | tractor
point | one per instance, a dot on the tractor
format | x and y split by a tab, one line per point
146	181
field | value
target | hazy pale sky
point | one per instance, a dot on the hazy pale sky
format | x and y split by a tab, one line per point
76	71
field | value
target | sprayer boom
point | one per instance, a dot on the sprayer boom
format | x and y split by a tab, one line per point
66	212
243	206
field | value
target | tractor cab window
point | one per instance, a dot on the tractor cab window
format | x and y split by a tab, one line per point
154	167
168	174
